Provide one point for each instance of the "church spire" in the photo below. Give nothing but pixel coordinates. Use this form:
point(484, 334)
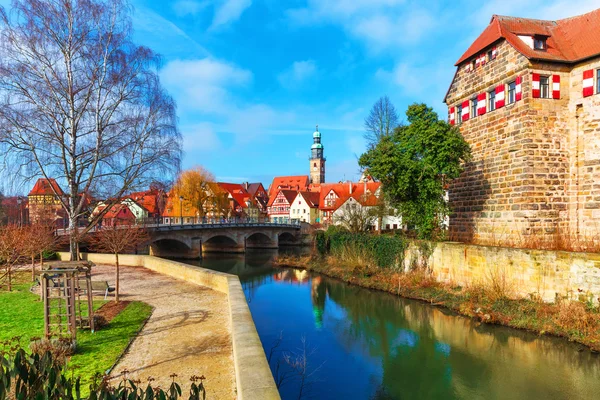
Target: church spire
point(317, 159)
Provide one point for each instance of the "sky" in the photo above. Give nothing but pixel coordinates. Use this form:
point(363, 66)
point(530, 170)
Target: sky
point(252, 78)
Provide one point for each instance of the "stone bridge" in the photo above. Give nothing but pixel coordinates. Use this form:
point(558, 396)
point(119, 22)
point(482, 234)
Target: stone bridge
point(190, 240)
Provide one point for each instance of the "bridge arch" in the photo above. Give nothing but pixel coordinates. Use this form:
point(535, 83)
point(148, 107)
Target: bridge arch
point(172, 247)
point(261, 240)
point(221, 243)
point(288, 239)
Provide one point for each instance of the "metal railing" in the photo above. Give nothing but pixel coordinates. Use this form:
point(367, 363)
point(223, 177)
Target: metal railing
point(205, 224)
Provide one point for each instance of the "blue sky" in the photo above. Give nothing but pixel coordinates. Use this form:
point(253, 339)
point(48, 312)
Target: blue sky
point(252, 77)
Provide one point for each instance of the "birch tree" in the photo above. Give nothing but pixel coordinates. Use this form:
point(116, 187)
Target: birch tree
point(81, 103)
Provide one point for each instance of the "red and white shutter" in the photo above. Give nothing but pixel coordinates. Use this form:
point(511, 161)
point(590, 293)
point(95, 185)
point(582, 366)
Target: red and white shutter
point(535, 86)
point(465, 111)
point(500, 96)
point(482, 57)
point(518, 88)
point(452, 116)
point(588, 83)
point(477, 62)
point(481, 100)
point(556, 86)
point(494, 52)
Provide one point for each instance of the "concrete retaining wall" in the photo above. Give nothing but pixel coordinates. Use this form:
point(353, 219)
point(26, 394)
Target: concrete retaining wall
point(254, 380)
point(522, 271)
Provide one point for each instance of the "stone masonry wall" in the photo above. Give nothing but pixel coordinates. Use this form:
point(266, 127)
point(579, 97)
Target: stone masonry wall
point(521, 184)
point(584, 147)
point(520, 272)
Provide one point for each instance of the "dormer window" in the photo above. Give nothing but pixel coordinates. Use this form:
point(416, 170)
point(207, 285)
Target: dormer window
point(539, 43)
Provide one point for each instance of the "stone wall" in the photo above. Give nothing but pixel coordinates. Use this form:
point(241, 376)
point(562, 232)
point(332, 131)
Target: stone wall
point(523, 272)
point(535, 170)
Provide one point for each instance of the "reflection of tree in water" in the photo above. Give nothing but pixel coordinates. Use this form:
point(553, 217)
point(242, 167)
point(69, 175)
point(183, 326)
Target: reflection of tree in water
point(415, 363)
point(318, 295)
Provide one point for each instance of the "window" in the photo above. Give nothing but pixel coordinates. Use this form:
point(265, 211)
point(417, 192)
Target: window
point(473, 107)
point(539, 43)
point(492, 100)
point(597, 81)
point(459, 114)
point(473, 64)
point(490, 55)
point(512, 86)
point(545, 87)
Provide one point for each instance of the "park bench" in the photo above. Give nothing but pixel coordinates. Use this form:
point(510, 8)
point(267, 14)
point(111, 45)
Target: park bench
point(99, 286)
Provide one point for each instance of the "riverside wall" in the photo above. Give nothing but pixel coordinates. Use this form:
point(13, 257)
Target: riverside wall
point(254, 380)
point(522, 272)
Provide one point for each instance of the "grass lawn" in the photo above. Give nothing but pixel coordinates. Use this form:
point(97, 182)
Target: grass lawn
point(22, 314)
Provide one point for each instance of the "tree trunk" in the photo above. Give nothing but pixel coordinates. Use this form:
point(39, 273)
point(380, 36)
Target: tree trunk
point(117, 278)
point(73, 239)
point(32, 268)
point(41, 260)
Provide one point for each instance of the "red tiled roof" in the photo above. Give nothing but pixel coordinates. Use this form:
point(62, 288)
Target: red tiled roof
point(568, 40)
point(148, 199)
point(237, 192)
point(254, 187)
point(311, 198)
point(289, 195)
point(43, 187)
point(342, 190)
point(297, 183)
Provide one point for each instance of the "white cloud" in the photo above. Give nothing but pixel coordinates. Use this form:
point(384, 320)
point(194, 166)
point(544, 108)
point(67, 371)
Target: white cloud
point(229, 11)
point(381, 23)
point(200, 138)
point(162, 35)
point(189, 7)
point(204, 85)
point(298, 74)
point(208, 89)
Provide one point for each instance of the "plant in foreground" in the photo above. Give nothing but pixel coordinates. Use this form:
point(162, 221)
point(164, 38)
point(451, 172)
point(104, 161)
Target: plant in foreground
point(35, 376)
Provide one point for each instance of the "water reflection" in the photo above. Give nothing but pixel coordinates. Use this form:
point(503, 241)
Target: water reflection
point(375, 345)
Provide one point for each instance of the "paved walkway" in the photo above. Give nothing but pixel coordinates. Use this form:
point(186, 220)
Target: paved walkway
point(188, 333)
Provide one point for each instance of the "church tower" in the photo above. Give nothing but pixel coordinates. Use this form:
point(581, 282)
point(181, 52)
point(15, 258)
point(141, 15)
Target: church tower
point(317, 161)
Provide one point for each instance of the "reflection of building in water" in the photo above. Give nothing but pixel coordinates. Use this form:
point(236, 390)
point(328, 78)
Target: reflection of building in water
point(291, 275)
point(318, 294)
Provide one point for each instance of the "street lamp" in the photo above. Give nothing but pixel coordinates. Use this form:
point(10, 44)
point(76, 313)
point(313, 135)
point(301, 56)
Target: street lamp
point(181, 209)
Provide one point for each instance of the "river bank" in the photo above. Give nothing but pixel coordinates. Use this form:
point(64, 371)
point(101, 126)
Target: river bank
point(574, 320)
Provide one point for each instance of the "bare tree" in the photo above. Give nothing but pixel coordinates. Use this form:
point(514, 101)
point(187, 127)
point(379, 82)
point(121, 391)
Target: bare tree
point(117, 239)
point(38, 238)
point(12, 250)
point(381, 122)
point(355, 217)
point(81, 103)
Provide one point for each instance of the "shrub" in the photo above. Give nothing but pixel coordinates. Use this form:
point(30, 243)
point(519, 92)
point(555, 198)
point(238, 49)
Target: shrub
point(36, 376)
point(384, 251)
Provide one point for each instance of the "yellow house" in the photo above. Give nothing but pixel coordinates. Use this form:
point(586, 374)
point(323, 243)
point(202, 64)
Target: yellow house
point(305, 207)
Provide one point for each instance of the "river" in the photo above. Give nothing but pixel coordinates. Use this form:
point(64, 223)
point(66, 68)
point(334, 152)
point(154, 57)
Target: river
point(363, 344)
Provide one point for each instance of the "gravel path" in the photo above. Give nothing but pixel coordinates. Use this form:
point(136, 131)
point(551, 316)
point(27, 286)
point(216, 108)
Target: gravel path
point(188, 333)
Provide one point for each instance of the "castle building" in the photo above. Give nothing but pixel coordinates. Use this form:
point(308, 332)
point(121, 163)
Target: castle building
point(317, 160)
point(526, 97)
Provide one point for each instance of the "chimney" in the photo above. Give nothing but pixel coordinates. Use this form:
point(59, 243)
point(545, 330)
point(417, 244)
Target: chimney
point(365, 182)
point(349, 187)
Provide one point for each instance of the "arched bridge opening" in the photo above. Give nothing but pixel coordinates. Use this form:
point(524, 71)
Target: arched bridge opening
point(173, 248)
point(260, 240)
point(288, 239)
point(222, 244)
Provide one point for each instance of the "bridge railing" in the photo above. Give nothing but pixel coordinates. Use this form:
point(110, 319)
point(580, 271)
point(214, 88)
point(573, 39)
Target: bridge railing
point(202, 224)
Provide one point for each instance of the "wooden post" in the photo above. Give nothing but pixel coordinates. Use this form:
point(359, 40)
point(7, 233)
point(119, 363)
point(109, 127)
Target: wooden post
point(70, 283)
point(46, 306)
point(88, 281)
